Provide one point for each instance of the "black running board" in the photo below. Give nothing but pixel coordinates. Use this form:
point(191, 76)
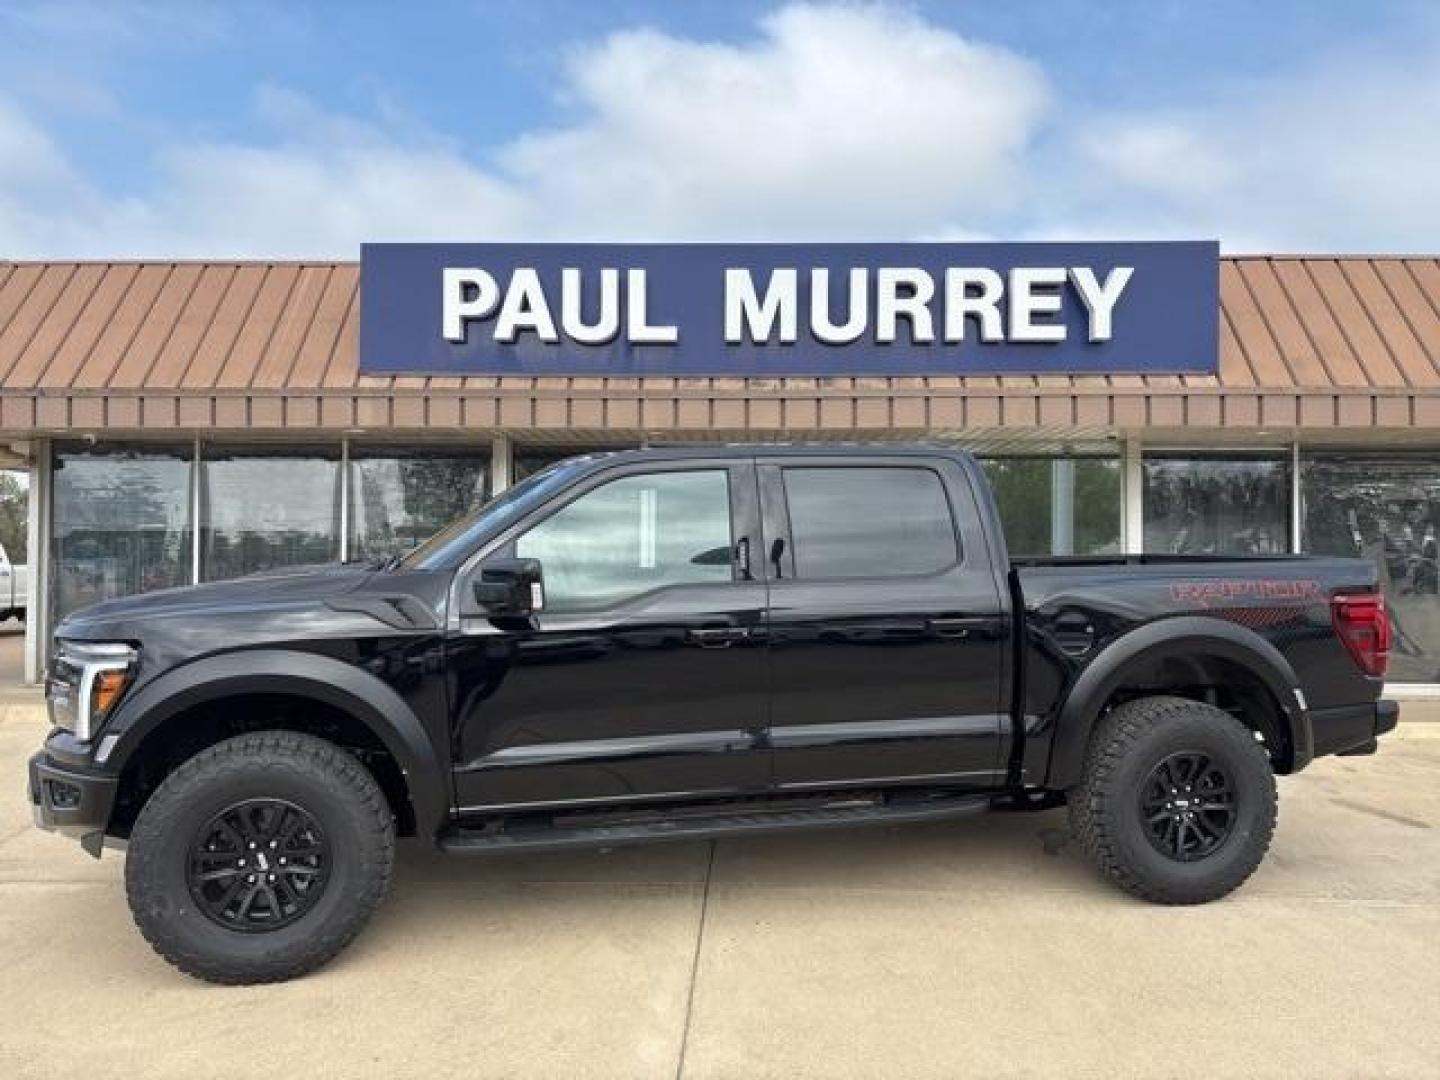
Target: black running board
point(461, 841)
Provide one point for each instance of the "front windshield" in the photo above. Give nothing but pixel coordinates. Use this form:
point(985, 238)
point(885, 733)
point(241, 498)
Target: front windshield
point(451, 545)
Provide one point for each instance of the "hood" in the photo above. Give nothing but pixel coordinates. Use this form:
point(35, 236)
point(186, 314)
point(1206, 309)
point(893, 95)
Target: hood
point(291, 587)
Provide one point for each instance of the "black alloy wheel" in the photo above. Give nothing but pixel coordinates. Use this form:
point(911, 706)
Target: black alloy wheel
point(1188, 806)
point(258, 865)
point(1176, 803)
point(259, 858)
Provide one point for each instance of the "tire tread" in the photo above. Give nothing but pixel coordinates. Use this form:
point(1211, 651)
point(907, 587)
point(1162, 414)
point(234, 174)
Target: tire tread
point(1093, 819)
point(264, 749)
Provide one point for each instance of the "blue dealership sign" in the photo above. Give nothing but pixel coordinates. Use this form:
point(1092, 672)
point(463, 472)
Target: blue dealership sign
point(789, 309)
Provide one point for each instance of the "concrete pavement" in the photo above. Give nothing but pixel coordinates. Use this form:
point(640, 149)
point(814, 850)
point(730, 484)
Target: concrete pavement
point(12, 661)
point(968, 948)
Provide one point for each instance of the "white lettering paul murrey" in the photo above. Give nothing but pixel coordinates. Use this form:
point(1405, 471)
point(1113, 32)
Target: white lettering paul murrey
point(1024, 305)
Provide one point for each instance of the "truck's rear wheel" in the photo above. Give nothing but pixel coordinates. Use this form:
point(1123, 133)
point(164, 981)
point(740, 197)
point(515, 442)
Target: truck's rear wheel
point(1177, 804)
point(260, 858)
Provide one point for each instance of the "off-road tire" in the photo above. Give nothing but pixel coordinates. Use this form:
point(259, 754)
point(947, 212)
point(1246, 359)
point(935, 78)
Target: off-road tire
point(1105, 815)
point(329, 784)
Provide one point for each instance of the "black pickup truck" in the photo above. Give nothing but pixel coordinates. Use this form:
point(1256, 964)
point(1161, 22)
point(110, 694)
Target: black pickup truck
point(682, 644)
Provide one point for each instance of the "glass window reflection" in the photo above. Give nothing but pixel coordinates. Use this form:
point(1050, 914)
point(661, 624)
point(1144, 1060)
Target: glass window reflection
point(400, 497)
point(633, 535)
point(1386, 509)
point(1215, 505)
point(121, 523)
point(1056, 505)
point(869, 522)
point(268, 507)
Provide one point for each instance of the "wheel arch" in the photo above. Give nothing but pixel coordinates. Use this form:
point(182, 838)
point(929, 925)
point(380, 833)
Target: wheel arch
point(1222, 655)
point(160, 712)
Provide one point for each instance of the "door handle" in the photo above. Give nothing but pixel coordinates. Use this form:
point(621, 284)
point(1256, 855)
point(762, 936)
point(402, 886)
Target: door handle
point(952, 626)
point(717, 637)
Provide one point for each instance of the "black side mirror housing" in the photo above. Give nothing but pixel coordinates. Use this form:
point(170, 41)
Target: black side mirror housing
point(510, 588)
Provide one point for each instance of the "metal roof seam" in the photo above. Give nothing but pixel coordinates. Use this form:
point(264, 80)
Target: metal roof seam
point(1309, 272)
point(321, 286)
point(248, 375)
point(1347, 270)
point(1408, 266)
point(25, 299)
point(164, 342)
point(339, 331)
point(100, 333)
point(1266, 322)
point(184, 372)
point(275, 324)
point(1228, 323)
point(1405, 317)
point(9, 368)
point(1349, 335)
point(139, 325)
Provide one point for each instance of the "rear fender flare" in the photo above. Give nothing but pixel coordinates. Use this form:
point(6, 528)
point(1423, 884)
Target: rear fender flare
point(276, 671)
point(1181, 636)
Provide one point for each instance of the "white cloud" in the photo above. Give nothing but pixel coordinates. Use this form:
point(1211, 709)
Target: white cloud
point(842, 122)
point(838, 122)
point(1339, 156)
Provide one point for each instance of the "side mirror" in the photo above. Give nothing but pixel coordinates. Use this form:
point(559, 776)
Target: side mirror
point(510, 588)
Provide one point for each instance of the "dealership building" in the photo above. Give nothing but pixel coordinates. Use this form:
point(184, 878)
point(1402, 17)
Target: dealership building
point(193, 421)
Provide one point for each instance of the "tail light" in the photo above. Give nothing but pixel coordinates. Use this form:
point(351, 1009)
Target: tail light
point(1363, 624)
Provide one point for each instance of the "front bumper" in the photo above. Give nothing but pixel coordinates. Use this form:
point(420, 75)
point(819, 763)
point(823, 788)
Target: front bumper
point(1353, 729)
point(72, 802)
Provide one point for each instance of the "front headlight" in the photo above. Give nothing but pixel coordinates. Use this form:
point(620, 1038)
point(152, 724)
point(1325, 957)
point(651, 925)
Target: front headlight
point(85, 681)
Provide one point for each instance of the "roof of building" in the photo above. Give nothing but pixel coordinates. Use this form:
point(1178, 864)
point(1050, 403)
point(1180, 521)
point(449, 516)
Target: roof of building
point(1305, 341)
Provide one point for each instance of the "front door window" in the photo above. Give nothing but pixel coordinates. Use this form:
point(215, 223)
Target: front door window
point(632, 536)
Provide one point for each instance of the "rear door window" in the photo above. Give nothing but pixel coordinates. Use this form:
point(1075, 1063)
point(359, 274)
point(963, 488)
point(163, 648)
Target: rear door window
point(869, 522)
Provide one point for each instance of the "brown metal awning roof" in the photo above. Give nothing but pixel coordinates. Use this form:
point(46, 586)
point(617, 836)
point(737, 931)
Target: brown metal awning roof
point(1309, 342)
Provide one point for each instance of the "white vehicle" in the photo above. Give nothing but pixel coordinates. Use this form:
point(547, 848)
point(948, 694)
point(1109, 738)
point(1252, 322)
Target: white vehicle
point(14, 587)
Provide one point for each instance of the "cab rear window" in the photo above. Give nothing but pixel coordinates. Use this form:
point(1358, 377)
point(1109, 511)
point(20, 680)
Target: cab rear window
point(869, 522)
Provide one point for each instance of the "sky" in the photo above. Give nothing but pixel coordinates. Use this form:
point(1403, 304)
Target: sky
point(269, 129)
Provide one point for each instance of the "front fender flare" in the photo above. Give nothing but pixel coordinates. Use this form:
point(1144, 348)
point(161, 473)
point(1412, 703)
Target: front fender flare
point(1186, 635)
point(280, 671)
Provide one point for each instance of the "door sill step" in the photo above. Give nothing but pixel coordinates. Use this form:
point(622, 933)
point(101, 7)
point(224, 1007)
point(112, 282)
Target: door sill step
point(462, 841)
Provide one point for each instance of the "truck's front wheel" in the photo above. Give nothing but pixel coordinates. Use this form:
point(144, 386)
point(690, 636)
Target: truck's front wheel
point(1177, 804)
point(259, 858)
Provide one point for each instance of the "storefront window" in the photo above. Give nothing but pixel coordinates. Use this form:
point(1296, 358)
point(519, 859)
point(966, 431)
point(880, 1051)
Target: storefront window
point(1057, 506)
point(1384, 508)
point(121, 523)
point(1213, 505)
point(266, 507)
point(400, 497)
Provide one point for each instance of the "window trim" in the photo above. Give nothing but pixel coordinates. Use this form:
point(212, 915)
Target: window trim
point(784, 524)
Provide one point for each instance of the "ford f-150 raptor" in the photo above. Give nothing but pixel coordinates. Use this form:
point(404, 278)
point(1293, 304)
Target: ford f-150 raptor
point(680, 644)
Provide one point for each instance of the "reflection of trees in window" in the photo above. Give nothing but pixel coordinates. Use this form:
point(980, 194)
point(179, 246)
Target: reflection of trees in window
point(1212, 506)
point(400, 498)
point(1385, 509)
point(1024, 490)
point(269, 508)
point(14, 502)
point(120, 523)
